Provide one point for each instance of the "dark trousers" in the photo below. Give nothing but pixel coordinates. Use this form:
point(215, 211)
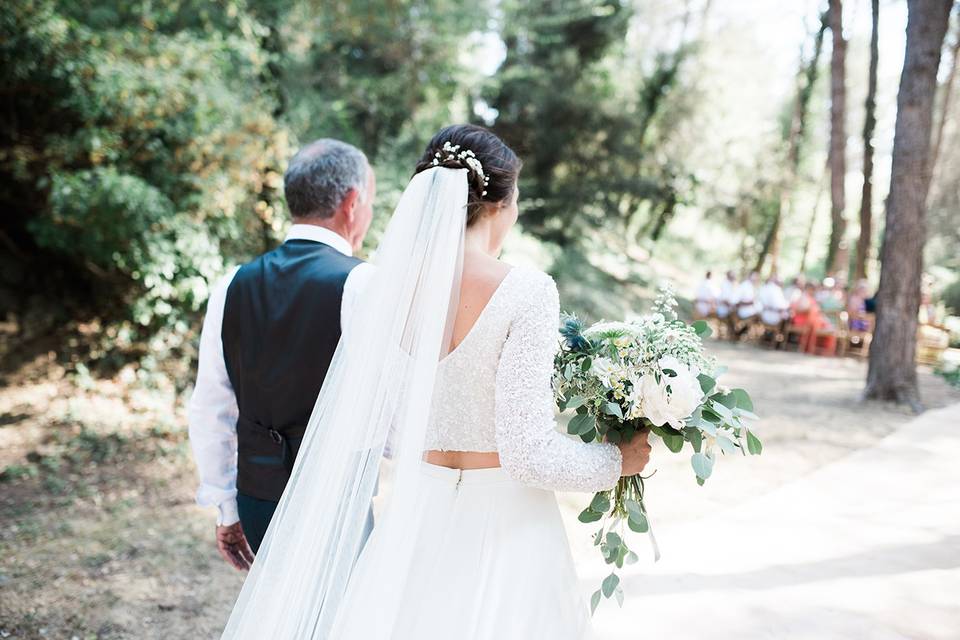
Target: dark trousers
point(255, 516)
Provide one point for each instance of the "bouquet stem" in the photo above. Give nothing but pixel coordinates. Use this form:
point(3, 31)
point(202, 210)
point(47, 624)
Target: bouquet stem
point(628, 500)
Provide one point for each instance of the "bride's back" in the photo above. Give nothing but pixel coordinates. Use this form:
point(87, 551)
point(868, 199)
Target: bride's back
point(461, 429)
point(482, 276)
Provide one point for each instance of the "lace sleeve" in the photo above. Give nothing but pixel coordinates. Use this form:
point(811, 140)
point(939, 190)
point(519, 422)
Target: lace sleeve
point(531, 449)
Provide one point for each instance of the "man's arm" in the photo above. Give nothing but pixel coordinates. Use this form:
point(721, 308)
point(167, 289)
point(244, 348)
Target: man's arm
point(212, 415)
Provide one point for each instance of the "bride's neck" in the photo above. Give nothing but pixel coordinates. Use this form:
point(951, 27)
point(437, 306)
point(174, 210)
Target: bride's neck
point(479, 239)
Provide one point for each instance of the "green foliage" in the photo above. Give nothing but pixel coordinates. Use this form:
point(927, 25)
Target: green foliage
point(586, 136)
point(951, 297)
point(140, 156)
point(382, 75)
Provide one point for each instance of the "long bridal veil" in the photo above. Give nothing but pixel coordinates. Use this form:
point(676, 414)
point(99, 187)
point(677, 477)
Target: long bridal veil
point(378, 389)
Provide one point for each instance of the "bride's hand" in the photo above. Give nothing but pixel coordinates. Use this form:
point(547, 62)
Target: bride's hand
point(636, 454)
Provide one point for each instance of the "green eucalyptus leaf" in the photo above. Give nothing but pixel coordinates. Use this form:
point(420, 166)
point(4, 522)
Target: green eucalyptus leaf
point(709, 415)
point(727, 400)
point(619, 594)
point(587, 516)
point(696, 438)
point(702, 465)
point(726, 444)
point(634, 510)
point(586, 364)
point(742, 399)
point(614, 539)
point(754, 446)
point(581, 423)
point(575, 402)
point(613, 409)
point(639, 524)
point(706, 383)
point(674, 441)
point(600, 502)
point(594, 601)
point(610, 583)
point(725, 412)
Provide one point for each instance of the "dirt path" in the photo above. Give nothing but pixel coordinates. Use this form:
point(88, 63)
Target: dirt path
point(99, 536)
point(867, 547)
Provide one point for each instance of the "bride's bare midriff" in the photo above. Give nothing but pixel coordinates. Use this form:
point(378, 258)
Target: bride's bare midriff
point(463, 459)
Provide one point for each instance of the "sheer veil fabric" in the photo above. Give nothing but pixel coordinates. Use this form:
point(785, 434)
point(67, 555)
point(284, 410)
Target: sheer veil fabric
point(379, 387)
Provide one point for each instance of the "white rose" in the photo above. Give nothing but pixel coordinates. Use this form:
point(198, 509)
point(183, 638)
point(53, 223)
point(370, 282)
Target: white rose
point(661, 406)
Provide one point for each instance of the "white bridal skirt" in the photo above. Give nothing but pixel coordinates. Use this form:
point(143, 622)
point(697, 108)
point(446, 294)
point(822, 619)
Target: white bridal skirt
point(491, 562)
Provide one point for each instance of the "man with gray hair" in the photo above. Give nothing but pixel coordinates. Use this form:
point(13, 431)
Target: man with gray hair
point(270, 332)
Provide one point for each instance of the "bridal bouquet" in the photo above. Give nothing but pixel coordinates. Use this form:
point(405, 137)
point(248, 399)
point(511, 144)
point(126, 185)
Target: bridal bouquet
point(648, 373)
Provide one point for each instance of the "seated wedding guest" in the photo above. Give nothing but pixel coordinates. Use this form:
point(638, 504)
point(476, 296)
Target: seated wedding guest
point(831, 296)
point(794, 290)
point(728, 295)
point(708, 294)
point(773, 303)
point(823, 289)
point(806, 313)
point(928, 313)
point(857, 307)
point(747, 305)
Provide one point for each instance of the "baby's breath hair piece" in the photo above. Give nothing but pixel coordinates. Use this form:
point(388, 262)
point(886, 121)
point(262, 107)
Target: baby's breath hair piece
point(452, 153)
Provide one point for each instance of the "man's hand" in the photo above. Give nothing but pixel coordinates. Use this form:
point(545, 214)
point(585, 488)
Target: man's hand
point(636, 454)
point(233, 546)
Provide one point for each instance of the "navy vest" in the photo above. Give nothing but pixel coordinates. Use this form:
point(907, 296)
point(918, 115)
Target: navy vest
point(281, 326)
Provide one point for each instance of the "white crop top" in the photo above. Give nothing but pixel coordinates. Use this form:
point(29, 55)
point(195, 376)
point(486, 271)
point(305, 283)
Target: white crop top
point(493, 393)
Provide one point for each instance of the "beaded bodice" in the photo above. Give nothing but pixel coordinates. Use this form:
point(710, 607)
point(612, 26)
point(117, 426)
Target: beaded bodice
point(493, 393)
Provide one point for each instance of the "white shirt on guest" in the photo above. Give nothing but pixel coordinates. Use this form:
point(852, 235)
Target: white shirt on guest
point(746, 299)
point(728, 297)
point(773, 302)
point(212, 412)
point(707, 294)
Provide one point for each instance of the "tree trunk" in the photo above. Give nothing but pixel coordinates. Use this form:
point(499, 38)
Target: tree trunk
point(796, 135)
point(836, 250)
point(667, 212)
point(813, 219)
point(771, 243)
point(892, 374)
point(869, 124)
point(945, 105)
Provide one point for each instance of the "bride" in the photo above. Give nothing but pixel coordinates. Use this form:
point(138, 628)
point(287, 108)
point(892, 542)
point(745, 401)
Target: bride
point(447, 372)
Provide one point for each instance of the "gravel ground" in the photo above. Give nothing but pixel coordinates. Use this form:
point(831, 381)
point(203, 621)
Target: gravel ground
point(99, 536)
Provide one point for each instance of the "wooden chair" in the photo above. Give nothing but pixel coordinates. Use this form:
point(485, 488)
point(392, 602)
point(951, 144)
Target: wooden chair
point(931, 343)
point(836, 330)
point(791, 331)
point(772, 335)
point(858, 340)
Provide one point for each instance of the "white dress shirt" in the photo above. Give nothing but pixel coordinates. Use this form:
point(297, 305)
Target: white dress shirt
point(212, 413)
point(728, 297)
point(747, 304)
point(774, 303)
point(707, 294)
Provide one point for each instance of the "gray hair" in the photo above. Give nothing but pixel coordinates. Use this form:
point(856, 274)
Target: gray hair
point(320, 176)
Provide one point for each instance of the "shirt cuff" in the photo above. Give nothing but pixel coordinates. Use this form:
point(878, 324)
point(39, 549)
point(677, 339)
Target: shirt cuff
point(227, 513)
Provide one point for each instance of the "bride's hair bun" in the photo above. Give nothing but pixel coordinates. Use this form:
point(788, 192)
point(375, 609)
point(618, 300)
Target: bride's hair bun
point(492, 166)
